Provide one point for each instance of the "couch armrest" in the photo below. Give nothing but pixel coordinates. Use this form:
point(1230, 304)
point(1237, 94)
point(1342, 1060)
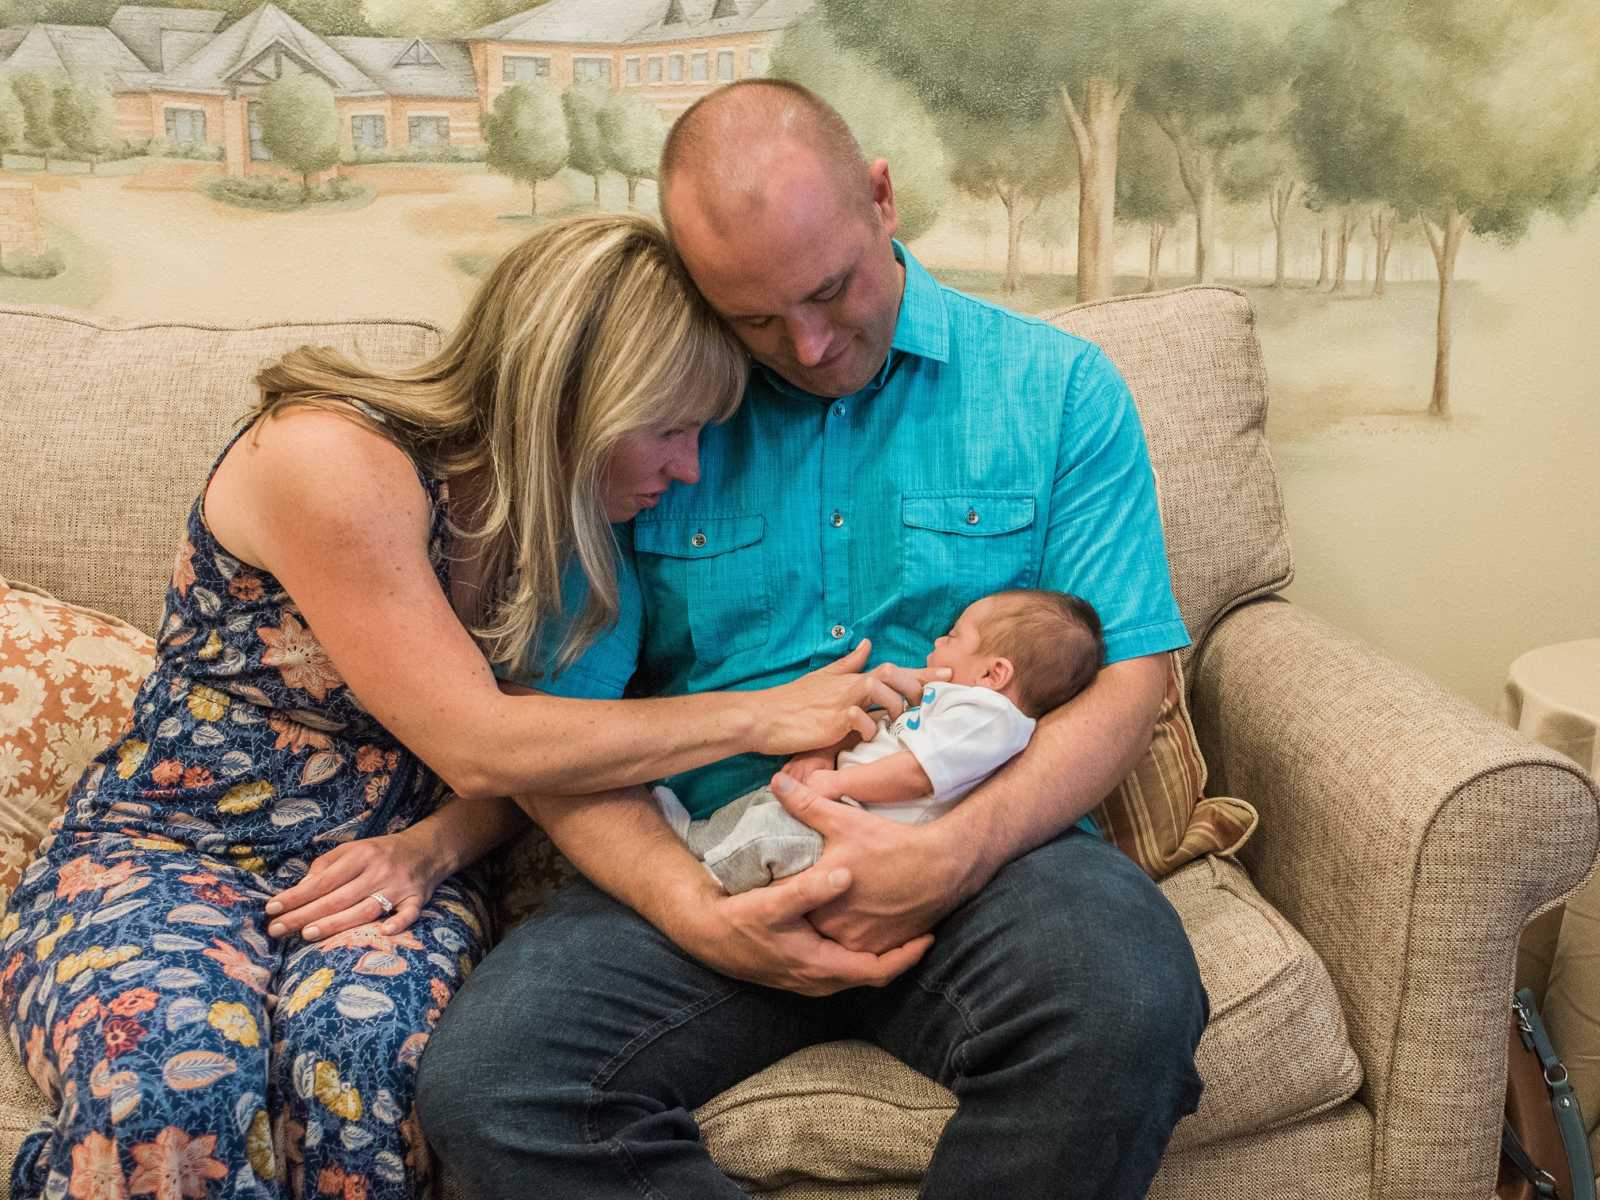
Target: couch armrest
point(1409, 837)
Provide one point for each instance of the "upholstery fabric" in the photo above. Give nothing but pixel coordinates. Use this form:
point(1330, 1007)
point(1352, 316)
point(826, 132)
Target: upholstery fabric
point(107, 431)
point(1192, 361)
point(1159, 816)
point(68, 676)
point(1409, 836)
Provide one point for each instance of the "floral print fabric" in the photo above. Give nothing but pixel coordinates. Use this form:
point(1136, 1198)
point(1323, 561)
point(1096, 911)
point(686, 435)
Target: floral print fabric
point(187, 1054)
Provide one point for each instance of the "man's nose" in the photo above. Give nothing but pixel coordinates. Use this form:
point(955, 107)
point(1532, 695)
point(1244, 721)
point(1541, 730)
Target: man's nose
point(810, 335)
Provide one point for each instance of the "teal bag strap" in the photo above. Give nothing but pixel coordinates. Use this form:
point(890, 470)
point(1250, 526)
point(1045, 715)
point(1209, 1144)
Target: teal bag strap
point(1569, 1119)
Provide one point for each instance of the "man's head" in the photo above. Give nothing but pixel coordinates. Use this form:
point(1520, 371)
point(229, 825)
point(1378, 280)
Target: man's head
point(1037, 647)
point(786, 230)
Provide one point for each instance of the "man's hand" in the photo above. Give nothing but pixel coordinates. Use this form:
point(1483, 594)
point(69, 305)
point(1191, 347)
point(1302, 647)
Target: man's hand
point(903, 883)
point(762, 936)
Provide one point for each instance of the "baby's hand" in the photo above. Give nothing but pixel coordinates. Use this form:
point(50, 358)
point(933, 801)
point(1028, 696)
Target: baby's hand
point(826, 782)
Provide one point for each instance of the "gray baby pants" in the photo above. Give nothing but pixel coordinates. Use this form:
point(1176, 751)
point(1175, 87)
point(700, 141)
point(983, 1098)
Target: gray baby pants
point(747, 843)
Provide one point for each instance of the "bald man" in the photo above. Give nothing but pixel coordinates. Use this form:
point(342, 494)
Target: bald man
point(902, 450)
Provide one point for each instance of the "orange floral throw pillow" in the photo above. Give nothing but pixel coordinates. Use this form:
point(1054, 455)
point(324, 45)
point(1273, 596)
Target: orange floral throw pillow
point(68, 677)
point(1160, 815)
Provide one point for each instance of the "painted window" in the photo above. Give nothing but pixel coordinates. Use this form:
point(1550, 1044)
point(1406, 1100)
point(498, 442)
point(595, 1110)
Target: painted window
point(369, 132)
point(653, 69)
point(186, 126)
point(591, 68)
point(258, 148)
point(758, 62)
point(417, 55)
point(699, 67)
point(515, 68)
point(632, 69)
point(429, 131)
point(675, 68)
point(724, 65)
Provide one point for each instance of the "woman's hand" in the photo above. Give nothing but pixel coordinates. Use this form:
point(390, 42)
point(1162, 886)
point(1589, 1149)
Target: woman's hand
point(337, 892)
point(824, 706)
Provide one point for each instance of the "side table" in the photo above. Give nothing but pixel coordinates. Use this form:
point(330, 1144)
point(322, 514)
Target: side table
point(1552, 695)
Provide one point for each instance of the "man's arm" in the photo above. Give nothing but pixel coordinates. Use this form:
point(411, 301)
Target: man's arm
point(1078, 754)
point(622, 844)
point(896, 778)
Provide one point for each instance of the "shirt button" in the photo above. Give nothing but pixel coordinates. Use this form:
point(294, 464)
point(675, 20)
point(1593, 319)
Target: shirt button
point(837, 631)
point(838, 410)
point(837, 519)
point(698, 540)
point(972, 516)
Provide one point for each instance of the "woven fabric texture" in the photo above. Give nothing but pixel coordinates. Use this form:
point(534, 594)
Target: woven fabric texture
point(1191, 359)
point(68, 677)
point(107, 429)
point(1409, 837)
point(1159, 816)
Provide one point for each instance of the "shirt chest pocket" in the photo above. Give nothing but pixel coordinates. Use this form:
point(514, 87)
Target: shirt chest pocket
point(705, 581)
point(957, 547)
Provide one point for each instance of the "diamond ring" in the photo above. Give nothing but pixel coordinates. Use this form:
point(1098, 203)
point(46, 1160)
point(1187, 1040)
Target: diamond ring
point(383, 902)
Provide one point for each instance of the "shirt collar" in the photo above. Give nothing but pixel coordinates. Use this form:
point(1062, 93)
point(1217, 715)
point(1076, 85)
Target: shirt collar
point(922, 328)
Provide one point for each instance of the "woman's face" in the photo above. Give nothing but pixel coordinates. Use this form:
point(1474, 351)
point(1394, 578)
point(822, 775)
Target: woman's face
point(644, 465)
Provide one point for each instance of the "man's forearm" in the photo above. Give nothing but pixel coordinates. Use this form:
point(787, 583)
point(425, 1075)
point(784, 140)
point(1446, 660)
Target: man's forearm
point(1078, 754)
point(623, 845)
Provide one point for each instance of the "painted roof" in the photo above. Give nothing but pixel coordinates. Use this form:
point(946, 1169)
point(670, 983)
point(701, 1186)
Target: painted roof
point(85, 53)
point(376, 56)
point(10, 38)
point(232, 50)
point(177, 45)
point(635, 21)
point(142, 30)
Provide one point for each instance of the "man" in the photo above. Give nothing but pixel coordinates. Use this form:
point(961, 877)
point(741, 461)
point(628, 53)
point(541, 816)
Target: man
point(901, 451)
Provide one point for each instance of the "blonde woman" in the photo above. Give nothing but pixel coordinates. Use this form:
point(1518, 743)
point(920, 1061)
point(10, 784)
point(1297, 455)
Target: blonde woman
point(225, 963)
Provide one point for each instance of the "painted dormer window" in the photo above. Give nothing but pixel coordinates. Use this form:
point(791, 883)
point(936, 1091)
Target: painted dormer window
point(418, 55)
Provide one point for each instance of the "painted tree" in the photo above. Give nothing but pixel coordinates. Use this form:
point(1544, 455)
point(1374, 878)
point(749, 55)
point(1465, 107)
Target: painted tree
point(83, 120)
point(527, 135)
point(632, 133)
point(1021, 166)
point(581, 105)
point(1148, 186)
point(38, 99)
point(1265, 169)
point(1473, 116)
point(300, 126)
point(887, 118)
point(1382, 219)
point(11, 122)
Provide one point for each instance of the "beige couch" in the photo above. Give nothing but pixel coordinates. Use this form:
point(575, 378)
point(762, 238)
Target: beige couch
point(1358, 960)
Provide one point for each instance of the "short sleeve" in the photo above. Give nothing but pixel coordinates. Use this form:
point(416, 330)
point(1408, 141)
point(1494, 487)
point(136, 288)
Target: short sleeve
point(1104, 540)
point(964, 735)
point(608, 663)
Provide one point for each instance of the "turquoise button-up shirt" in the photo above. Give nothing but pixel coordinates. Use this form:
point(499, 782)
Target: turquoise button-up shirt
point(991, 451)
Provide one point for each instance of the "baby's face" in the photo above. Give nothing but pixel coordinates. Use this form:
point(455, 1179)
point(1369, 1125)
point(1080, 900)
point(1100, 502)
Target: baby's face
point(958, 649)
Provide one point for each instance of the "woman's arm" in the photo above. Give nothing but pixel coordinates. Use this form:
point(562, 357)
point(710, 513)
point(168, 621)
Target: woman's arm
point(335, 512)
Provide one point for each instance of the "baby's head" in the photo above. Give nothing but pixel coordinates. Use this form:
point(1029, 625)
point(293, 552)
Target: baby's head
point(1037, 648)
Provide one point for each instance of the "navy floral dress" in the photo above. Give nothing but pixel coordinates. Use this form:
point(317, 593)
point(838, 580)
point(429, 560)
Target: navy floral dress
point(186, 1053)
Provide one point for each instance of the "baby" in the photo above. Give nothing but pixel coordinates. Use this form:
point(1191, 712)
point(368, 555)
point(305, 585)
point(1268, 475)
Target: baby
point(1013, 657)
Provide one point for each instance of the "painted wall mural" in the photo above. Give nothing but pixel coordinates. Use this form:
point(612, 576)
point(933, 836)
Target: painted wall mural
point(1404, 191)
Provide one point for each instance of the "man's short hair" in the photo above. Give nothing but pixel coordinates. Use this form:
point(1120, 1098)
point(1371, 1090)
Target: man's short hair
point(786, 109)
point(1053, 640)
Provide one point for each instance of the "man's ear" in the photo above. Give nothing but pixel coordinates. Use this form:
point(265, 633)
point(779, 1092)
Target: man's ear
point(1000, 673)
point(883, 195)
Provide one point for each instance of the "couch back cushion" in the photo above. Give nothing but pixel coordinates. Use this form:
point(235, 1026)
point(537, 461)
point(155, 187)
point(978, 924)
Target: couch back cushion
point(1193, 363)
point(107, 430)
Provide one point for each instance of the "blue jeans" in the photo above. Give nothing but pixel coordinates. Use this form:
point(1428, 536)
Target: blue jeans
point(1061, 1005)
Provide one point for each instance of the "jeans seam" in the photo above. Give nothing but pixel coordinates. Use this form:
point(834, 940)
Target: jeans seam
point(948, 992)
point(620, 1059)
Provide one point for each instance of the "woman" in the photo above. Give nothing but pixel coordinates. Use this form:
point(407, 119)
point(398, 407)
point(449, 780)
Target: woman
point(225, 963)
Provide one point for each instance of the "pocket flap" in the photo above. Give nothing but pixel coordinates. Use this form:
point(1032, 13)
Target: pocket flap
point(697, 537)
point(973, 514)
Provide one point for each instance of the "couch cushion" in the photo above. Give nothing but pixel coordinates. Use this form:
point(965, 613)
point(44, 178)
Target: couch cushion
point(1193, 363)
point(107, 430)
point(1276, 1052)
point(68, 677)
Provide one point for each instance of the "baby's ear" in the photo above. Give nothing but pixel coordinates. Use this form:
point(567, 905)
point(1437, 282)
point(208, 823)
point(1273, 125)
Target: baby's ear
point(1000, 673)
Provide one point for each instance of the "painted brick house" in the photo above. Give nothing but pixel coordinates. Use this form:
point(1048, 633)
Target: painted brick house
point(171, 74)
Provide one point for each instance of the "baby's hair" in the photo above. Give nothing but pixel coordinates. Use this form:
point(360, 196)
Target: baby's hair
point(1053, 640)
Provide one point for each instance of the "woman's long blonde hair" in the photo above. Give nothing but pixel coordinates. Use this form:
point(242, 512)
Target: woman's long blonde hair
point(587, 331)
